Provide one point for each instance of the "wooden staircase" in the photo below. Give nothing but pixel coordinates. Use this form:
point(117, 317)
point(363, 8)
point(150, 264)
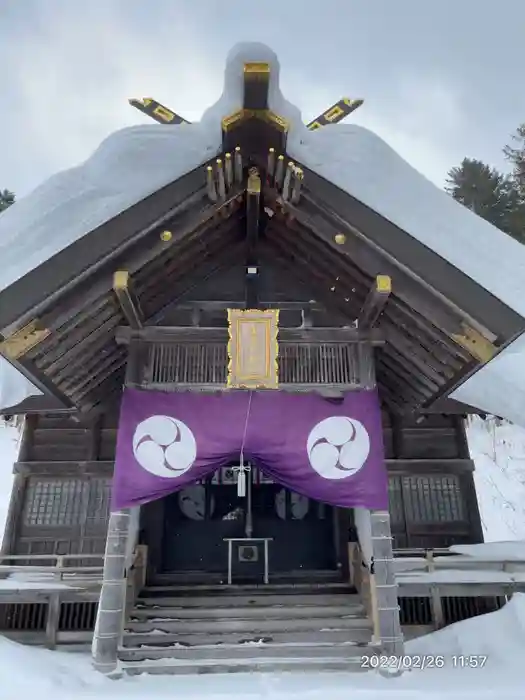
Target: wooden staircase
point(176, 629)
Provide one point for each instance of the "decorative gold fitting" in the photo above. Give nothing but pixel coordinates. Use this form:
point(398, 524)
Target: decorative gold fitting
point(23, 340)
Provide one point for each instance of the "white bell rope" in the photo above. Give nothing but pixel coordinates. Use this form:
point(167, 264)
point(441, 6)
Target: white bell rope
point(243, 469)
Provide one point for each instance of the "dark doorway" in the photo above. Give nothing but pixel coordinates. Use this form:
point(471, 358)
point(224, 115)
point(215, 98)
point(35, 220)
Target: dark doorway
point(199, 518)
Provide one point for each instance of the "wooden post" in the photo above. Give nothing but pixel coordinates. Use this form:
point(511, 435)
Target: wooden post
point(110, 614)
point(53, 618)
point(16, 505)
point(16, 502)
point(374, 610)
point(391, 638)
point(436, 604)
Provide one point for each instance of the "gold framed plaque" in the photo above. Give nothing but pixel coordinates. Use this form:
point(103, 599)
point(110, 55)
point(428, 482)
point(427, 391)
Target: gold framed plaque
point(253, 349)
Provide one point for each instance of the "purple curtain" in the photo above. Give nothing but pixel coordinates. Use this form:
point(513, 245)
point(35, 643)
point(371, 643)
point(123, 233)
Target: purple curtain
point(327, 449)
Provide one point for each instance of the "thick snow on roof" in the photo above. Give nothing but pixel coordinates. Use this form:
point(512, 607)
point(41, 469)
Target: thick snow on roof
point(134, 162)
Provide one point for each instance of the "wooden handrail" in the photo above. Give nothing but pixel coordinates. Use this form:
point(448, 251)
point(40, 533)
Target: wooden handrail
point(50, 557)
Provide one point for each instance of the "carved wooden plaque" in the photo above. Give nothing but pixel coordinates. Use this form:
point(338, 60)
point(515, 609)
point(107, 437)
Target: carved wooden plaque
point(253, 349)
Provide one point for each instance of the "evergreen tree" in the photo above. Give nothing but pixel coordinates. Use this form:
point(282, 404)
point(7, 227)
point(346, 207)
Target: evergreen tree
point(488, 193)
point(515, 154)
point(6, 199)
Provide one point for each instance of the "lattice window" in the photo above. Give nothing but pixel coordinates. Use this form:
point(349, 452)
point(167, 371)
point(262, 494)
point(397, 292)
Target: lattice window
point(431, 499)
point(55, 502)
point(98, 501)
point(395, 497)
point(67, 502)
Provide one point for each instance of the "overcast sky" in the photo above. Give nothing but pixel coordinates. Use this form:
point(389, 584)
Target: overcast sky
point(441, 80)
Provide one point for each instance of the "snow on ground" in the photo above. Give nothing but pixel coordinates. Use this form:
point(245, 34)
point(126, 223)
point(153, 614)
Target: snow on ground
point(494, 641)
point(9, 439)
point(498, 450)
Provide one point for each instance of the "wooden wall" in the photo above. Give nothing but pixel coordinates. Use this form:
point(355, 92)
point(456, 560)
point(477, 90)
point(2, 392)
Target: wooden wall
point(61, 494)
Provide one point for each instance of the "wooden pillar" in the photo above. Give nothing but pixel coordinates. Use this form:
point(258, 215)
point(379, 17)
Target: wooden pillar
point(385, 587)
point(112, 602)
point(16, 502)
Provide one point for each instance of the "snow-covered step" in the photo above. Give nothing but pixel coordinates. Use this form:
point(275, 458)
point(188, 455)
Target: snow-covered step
point(247, 589)
point(254, 612)
point(343, 650)
point(268, 665)
point(215, 629)
point(158, 638)
point(250, 600)
point(246, 625)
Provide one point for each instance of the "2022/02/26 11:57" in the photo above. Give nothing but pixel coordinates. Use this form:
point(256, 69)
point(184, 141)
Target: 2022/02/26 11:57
point(422, 661)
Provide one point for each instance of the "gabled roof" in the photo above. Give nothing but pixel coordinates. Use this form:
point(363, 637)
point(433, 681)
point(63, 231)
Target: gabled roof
point(446, 295)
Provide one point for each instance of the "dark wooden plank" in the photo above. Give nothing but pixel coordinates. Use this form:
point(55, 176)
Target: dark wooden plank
point(105, 468)
point(152, 534)
point(343, 293)
point(46, 403)
point(191, 219)
point(167, 334)
point(68, 266)
point(223, 305)
point(429, 466)
point(39, 379)
point(14, 514)
point(447, 405)
point(64, 468)
point(423, 262)
point(415, 292)
point(468, 489)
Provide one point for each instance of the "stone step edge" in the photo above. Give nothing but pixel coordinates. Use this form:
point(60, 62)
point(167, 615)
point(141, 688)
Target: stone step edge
point(245, 645)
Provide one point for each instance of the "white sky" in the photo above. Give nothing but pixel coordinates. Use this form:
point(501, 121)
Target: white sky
point(441, 80)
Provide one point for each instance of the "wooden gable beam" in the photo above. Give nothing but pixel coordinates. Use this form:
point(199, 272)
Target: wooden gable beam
point(352, 216)
point(479, 342)
point(188, 334)
point(375, 302)
point(253, 195)
point(127, 299)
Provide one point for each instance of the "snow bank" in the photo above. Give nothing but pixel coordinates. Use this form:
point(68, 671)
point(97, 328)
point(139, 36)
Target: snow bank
point(498, 451)
point(500, 636)
point(496, 551)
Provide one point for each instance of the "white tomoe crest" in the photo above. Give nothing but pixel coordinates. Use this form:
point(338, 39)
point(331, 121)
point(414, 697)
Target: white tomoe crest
point(338, 447)
point(164, 446)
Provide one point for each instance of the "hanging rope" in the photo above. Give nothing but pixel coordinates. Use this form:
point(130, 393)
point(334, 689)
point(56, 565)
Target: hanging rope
point(241, 469)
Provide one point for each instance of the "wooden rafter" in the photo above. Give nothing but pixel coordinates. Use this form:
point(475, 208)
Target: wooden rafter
point(127, 299)
point(432, 305)
point(375, 302)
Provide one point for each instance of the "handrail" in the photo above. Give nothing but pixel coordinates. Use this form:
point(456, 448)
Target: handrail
point(59, 570)
point(50, 557)
point(414, 551)
point(439, 559)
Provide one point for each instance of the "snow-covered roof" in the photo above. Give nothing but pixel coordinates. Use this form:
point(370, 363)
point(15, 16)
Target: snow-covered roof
point(134, 162)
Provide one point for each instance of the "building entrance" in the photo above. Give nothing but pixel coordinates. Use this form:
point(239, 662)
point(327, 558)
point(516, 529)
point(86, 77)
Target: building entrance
point(199, 518)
